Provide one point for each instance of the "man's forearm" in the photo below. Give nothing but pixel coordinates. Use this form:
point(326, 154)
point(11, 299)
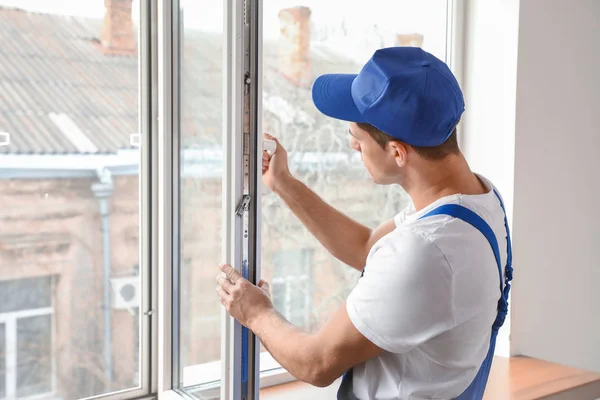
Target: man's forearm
point(344, 238)
point(294, 349)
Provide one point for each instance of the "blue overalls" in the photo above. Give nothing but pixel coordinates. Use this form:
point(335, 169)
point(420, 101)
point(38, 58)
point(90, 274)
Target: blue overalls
point(476, 389)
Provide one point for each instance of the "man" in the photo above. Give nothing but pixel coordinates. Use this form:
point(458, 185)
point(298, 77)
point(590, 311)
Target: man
point(422, 320)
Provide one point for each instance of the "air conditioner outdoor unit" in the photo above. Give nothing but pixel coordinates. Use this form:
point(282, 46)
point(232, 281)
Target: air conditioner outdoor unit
point(125, 292)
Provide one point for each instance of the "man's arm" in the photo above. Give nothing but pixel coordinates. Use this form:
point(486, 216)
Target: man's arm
point(320, 358)
point(346, 239)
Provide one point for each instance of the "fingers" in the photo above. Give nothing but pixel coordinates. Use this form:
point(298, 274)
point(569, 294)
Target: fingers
point(266, 158)
point(232, 275)
point(224, 297)
point(265, 287)
point(225, 284)
point(227, 290)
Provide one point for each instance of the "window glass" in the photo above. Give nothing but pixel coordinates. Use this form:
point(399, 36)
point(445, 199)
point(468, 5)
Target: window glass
point(292, 284)
point(201, 170)
point(27, 336)
point(303, 40)
point(2, 360)
point(70, 291)
point(23, 294)
point(34, 355)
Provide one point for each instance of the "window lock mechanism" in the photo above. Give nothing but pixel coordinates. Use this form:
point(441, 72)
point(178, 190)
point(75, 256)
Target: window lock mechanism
point(244, 205)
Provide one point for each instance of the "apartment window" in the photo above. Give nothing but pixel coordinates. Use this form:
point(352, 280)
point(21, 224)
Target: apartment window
point(26, 353)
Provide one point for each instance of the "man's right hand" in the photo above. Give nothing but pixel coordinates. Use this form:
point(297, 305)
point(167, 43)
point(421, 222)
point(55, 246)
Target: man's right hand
point(275, 168)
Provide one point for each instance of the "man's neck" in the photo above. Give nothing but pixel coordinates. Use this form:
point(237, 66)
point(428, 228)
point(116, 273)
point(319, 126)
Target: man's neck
point(431, 181)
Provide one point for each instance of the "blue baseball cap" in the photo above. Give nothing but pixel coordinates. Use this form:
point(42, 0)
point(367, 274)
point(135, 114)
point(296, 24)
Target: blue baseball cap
point(405, 92)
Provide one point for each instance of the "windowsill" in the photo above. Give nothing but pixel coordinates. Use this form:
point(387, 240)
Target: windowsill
point(523, 378)
point(204, 374)
point(514, 378)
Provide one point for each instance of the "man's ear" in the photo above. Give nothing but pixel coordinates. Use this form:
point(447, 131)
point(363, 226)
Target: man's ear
point(399, 152)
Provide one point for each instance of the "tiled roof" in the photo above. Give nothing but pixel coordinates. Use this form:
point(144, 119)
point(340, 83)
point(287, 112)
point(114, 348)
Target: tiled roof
point(52, 65)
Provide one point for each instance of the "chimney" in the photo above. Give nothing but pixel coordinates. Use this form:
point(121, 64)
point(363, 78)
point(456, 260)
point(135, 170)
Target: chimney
point(118, 36)
point(294, 45)
point(411, 39)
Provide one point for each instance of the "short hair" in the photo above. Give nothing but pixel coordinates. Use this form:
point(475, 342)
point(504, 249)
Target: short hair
point(435, 153)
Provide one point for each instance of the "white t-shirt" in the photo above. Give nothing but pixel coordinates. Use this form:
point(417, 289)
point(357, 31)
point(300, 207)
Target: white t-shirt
point(428, 297)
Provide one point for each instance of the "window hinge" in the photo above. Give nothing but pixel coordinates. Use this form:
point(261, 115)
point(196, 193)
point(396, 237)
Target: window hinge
point(244, 205)
point(149, 313)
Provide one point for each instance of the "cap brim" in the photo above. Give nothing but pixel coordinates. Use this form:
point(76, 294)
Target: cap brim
point(332, 95)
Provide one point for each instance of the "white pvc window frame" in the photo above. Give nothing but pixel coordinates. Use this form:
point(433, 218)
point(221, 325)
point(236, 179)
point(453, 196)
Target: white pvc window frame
point(165, 155)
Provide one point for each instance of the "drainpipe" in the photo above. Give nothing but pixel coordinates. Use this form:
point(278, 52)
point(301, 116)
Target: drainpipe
point(102, 190)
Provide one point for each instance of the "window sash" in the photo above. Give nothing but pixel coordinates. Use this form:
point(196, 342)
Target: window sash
point(168, 198)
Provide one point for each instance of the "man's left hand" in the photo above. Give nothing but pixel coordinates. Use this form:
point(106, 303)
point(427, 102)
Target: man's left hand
point(243, 300)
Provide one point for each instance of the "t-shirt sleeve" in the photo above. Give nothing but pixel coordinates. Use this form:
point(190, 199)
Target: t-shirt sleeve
point(405, 296)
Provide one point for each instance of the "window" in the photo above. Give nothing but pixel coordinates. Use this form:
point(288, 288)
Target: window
point(291, 285)
point(26, 324)
point(72, 322)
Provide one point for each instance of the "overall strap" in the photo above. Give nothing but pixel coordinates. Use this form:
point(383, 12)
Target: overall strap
point(476, 389)
point(463, 213)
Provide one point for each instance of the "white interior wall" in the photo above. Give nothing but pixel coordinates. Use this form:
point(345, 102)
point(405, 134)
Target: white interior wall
point(532, 87)
point(556, 298)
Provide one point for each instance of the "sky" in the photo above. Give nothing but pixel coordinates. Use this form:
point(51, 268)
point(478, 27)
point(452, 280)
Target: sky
point(383, 18)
